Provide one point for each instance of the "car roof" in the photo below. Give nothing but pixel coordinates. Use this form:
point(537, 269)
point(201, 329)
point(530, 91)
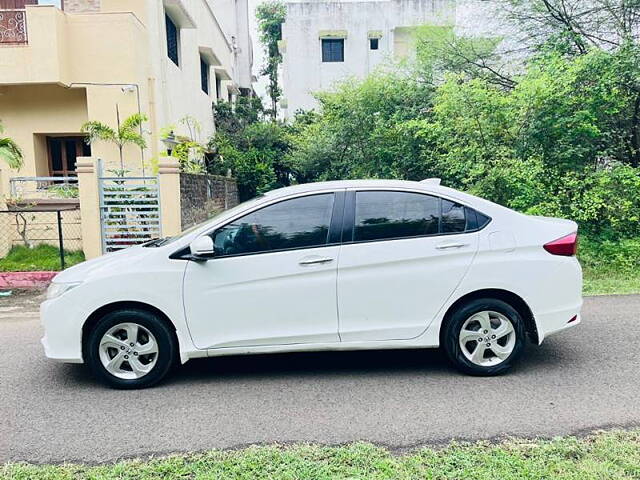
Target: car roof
point(428, 186)
point(431, 185)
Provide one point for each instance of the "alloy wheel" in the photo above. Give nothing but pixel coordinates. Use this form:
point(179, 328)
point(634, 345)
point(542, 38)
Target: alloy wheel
point(487, 338)
point(128, 351)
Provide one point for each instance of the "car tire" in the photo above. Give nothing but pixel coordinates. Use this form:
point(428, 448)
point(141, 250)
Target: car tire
point(467, 329)
point(121, 361)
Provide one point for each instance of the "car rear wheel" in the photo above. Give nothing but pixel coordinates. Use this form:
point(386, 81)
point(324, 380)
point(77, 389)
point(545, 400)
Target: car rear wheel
point(484, 337)
point(130, 349)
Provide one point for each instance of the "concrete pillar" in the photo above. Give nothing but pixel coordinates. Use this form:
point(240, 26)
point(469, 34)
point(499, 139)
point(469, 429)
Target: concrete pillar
point(87, 170)
point(169, 183)
point(5, 219)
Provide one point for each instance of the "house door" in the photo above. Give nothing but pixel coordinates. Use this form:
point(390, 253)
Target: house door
point(63, 152)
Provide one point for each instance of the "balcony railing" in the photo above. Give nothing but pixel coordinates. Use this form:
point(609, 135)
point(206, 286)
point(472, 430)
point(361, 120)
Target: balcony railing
point(27, 188)
point(13, 27)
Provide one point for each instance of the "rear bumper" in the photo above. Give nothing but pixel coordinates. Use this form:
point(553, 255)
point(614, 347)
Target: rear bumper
point(555, 322)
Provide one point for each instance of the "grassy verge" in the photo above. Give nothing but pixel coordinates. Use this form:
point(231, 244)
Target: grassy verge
point(610, 267)
point(609, 282)
point(602, 456)
point(40, 258)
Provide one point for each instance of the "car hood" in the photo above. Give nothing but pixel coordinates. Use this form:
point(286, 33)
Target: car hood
point(105, 265)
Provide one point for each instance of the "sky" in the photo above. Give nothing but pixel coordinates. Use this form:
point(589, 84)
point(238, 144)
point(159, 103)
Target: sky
point(258, 53)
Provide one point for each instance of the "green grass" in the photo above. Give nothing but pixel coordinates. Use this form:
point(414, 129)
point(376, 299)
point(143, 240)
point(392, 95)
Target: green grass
point(610, 267)
point(610, 282)
point(610, 455)
point(40, 258)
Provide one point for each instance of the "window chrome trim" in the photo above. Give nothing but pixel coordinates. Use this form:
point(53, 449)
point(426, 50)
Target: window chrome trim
point(348, 219)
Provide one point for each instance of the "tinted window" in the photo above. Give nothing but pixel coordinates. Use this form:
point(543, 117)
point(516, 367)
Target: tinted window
point(333, 50)
point(482, 219)
point(453, 217)
point(475, 220)
point(297, 223)
point(381, 215)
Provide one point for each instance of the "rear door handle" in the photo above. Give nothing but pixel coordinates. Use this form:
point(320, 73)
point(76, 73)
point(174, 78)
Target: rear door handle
point(315, 260)
point(447, 246)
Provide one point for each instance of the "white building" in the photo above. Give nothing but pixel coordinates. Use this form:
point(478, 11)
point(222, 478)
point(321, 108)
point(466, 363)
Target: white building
point(324, 41)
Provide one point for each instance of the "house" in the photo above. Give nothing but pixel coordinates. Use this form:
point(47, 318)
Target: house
point(70, 61)
point(65, 62)
point(326, 41)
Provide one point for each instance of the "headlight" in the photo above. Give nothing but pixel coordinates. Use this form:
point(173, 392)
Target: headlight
point(57, 289)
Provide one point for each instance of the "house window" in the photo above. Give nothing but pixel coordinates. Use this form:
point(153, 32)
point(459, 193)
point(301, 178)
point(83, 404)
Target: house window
point(204, 75)
point(333, 49)
point(218, 87)
point(173, 42)
point(373, 43)
point(63, 152)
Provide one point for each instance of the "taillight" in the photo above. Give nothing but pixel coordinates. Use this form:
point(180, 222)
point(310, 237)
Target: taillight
point(566, 246)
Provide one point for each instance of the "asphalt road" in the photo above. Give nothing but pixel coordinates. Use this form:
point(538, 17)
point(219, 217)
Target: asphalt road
point(580, 380)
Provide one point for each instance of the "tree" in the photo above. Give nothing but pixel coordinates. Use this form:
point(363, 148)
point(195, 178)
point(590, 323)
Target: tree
point(576, 25)
point(358, 130)
point(231, 119)
point(128, 132)
point(271, 16)
point(10, 152)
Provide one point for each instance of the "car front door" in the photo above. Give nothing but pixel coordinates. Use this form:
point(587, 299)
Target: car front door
point(272, 280)
point(404, 254)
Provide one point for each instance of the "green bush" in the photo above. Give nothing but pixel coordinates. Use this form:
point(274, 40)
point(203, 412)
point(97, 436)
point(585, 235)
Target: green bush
point(622, 256)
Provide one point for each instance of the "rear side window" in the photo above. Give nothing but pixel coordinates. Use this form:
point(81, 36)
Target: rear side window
point(475, 219)
point(454, 218)
point(384, 215)
point(297, 223)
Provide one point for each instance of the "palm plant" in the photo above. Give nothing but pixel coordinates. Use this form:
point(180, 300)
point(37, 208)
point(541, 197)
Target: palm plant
point(10, 152)
point(129, 132)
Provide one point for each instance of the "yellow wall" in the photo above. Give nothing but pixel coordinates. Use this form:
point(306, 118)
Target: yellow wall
point(42, 109)
point(62, 51)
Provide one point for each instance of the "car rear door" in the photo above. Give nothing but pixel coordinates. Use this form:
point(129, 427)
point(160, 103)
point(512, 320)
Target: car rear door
point(403, 255)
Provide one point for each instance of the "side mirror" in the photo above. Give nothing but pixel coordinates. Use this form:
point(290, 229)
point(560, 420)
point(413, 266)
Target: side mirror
point(202, 248)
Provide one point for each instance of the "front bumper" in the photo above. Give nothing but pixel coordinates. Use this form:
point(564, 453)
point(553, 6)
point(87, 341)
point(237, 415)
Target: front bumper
point(62, 339)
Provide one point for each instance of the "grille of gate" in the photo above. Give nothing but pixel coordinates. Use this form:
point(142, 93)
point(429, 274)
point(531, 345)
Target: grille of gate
point(129, 211)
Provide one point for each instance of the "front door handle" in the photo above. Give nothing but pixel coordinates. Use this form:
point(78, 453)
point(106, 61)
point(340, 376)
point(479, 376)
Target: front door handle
point(446, 246)
point(315, 260)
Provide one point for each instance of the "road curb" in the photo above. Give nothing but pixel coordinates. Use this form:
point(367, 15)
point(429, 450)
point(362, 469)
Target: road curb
point(25, 279)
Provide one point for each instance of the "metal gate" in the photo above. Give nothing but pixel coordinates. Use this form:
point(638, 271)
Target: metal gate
point(129, 210)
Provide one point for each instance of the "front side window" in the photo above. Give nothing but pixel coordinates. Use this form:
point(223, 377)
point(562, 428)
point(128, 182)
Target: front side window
point(386, 215)
point(172, 40)
point(333, 49)
point(297, 223)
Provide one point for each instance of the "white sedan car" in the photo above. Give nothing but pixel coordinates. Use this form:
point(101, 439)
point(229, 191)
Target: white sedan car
point(348, 265)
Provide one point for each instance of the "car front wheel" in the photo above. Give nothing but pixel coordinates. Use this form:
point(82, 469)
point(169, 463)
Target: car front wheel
point(130, 349)
point(484, 337)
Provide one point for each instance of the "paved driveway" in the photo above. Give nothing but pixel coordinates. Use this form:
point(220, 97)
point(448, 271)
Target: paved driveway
point(580, 380)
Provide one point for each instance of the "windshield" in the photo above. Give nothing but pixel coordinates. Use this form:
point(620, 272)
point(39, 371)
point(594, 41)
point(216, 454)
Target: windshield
point(230, 212)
